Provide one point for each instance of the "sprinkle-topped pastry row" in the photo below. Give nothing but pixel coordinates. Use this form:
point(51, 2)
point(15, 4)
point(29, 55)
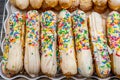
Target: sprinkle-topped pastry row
point(80, 45)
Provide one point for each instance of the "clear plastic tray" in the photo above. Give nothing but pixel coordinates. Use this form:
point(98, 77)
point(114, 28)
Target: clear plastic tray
point(10, 9)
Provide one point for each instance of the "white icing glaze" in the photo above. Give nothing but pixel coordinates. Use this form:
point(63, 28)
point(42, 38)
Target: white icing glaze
point(116, 61)
point(85, 63)
point(32, 61)
point(15, 57)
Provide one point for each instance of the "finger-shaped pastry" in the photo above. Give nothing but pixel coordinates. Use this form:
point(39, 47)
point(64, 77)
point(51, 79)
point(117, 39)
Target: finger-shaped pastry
point(51, 3)
point(114, 4)
point(99, 45)
point(36, 4)
point(100, 2)
point(48, 43)
point(75, 4)
point(65, 4)
point(66, 44)
point(6, 51)
point(86, 5)
point(82, 45)
point(15, 47)
point(113, 33)
point(32, 55)
point(22, 4)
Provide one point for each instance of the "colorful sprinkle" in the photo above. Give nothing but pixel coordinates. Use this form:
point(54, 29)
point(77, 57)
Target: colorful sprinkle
point(32, 28)
point(100, 49)
point(113, 29)
point(16, 22)
point(48, 32)
point(80, 30)
point(65, 36)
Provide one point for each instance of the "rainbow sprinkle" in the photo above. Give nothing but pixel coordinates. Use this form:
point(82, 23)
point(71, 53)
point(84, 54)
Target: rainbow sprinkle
point(32, 32)
point(80, 30)
point(16, 23)
point(113, 29)
point(101, 48)
point(48, 32)
point(65, 32)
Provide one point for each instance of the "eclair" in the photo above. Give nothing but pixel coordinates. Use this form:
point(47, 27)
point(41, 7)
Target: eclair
point(99, 45)
point(48, 43)
point(113, 34)
point(82, 44)
point(66, 44)
point(13, 54)
point(32, 43)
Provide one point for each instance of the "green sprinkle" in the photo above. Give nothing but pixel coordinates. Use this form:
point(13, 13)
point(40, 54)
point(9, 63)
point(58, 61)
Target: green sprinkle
point(108, 65)
point(12, 66)
point(16, 37)
point(119, 46)
point(102, 66)
point(99, 39)
point(50, 54)
point(79, 24)
point(85, 31)
point(78, 36)
point(57, 53)
point(89, 67)
point(102, 53)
